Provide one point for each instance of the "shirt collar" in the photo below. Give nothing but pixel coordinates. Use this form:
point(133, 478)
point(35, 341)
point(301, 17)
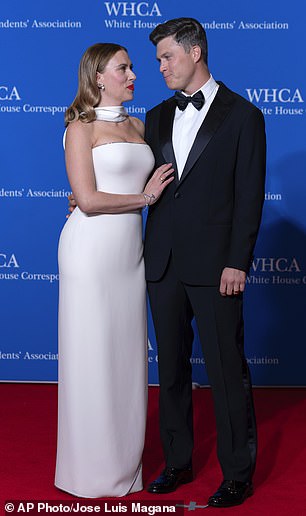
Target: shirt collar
point(207, 88)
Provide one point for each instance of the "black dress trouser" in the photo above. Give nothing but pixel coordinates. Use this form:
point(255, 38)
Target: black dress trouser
point(220, 324)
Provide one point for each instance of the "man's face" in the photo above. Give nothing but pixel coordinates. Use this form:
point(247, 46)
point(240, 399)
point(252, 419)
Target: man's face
point(176, 66)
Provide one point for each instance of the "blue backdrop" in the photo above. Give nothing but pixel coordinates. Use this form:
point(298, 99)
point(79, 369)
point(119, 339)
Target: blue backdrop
point(255, 49)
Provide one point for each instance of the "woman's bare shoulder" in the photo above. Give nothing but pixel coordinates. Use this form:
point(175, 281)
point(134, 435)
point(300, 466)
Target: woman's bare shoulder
point(138, 125)
point(79, 128)
point(79, 132)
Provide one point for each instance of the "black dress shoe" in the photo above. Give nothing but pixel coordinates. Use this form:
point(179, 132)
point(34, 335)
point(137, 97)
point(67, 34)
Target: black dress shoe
point(231, 492)
point(170, 479)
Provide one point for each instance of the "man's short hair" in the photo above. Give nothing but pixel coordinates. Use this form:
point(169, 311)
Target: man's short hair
point(187, 32)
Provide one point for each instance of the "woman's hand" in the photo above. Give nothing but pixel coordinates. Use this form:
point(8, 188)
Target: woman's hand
point(162, 176)
point(71, 204)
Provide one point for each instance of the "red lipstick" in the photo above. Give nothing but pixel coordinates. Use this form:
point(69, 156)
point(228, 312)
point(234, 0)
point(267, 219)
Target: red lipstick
point(131, 87)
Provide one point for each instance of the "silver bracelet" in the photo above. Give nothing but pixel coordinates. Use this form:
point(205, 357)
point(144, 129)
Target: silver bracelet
point(148, 199)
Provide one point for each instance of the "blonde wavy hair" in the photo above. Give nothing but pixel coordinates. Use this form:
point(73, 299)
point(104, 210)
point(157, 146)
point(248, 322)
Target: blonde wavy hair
point(93, 60)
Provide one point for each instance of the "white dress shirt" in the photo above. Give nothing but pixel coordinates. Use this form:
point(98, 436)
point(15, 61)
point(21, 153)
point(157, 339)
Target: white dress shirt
point(188, 122)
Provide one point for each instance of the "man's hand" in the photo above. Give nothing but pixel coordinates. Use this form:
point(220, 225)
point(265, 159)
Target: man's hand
point(232, 281)
point(71, 205)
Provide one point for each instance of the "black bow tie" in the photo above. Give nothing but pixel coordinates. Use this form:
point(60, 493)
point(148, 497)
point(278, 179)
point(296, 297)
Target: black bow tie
point(197, 100)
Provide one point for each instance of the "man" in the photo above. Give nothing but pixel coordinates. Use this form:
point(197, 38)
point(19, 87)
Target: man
point(199, 242)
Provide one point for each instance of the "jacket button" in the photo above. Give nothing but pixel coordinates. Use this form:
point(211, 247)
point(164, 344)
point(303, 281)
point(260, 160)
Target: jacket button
point(177, 195)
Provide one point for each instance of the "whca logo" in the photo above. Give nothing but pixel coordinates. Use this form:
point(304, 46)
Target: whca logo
point(132, 9)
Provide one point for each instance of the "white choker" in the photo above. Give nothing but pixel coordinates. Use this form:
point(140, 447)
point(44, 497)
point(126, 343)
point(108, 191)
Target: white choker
point(111, 113)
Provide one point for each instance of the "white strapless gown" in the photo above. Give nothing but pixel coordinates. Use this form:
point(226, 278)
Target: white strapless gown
point(103, 336)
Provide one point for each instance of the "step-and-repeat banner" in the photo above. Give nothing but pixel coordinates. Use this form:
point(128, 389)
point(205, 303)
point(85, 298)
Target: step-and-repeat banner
point(256, 49)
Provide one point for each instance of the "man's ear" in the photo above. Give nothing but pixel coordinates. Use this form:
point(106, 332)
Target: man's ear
point(196, 53)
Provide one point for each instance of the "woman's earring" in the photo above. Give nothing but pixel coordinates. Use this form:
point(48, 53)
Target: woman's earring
point(101, 86)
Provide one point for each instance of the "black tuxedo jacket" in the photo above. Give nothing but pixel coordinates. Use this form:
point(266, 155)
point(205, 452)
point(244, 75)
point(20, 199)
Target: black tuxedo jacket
point(209, 219)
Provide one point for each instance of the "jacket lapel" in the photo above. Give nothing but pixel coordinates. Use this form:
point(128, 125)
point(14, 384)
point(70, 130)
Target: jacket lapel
point(165, 132)
point(217, 113)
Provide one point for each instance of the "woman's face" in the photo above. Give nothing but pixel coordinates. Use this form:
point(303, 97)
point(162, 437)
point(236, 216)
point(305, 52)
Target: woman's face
point(118, 79)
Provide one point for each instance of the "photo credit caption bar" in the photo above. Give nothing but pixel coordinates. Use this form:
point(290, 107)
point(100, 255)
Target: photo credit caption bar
point(94, 507)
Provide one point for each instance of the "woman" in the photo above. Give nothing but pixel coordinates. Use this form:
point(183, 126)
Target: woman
point(102, 308)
